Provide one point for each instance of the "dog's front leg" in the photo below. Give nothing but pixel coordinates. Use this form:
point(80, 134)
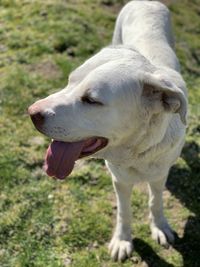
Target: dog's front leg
point(160, 229)
point(121, 245)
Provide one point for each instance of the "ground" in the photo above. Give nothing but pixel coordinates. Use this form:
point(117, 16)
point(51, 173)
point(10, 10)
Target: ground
point(45, 222)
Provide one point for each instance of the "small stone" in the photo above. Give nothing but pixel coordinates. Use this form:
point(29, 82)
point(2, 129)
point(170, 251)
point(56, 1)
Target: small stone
point(144, 264)
point(135, 259)
point(3, 48)
point(50, 196)
point(67, 261)
point(95, 244)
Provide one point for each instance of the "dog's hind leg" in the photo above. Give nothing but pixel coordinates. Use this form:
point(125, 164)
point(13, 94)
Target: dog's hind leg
point(160, 229)
point(121, 245)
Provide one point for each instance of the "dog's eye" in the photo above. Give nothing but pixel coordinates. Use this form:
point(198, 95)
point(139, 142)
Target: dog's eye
point(89, 100)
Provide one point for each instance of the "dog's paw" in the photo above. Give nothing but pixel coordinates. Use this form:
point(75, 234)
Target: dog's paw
point(163, 235)
point(120, 249)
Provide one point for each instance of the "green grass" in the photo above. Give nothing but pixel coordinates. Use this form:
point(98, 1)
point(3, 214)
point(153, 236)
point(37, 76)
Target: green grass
point(44, 222)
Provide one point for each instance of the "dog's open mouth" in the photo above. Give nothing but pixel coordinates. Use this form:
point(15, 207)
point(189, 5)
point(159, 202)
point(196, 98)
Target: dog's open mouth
point(61, 156)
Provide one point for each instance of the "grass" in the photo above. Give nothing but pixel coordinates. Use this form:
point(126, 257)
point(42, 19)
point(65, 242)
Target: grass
point(44, 222)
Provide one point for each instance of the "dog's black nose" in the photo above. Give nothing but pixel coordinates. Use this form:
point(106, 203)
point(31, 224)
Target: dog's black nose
point(36, 116)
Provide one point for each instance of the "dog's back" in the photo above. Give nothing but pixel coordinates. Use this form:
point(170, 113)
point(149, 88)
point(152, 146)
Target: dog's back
point(146, 26)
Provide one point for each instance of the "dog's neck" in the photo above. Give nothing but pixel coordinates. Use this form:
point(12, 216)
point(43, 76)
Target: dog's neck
point(157, 56)
point(137, 144)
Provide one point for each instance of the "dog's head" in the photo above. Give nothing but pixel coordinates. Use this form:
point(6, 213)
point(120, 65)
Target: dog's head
point(108, 99)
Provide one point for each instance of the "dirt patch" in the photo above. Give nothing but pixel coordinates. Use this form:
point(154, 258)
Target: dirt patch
point(46, 69)
point(168, 2)
point(115, 6)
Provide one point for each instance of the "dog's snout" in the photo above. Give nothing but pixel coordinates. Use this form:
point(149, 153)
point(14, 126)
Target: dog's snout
point(37, 117)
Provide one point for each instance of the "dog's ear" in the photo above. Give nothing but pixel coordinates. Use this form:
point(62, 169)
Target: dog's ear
point(160, 93)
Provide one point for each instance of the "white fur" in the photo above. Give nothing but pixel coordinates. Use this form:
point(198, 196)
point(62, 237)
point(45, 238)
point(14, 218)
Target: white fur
point(143, 114)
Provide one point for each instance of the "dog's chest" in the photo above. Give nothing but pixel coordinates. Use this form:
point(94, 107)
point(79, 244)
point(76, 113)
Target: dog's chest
point(147, 167)
point(143, 172)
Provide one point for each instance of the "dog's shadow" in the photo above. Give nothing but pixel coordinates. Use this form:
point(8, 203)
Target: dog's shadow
point(184, 184)
point(148, 255)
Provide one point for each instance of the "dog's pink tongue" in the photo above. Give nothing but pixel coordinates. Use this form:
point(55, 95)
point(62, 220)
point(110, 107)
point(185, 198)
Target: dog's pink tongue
point(60, 158)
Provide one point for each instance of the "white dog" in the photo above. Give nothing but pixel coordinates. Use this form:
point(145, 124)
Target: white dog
point(127, 105)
